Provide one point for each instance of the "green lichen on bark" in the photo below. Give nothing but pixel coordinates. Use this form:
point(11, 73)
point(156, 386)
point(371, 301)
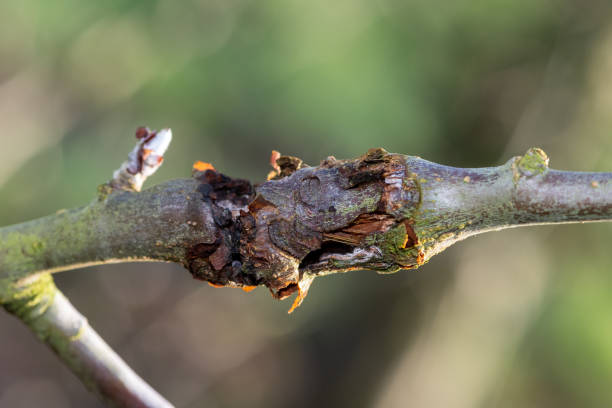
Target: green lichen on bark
point(396, 249)
point(28, 298)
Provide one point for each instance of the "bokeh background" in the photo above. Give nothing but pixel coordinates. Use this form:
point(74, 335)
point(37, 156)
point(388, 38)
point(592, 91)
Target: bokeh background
point(520, 318)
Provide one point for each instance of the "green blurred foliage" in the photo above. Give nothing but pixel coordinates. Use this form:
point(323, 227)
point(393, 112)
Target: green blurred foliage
point(466, 83)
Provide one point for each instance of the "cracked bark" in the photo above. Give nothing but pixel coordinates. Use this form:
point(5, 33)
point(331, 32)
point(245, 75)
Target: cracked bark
point(381, 211)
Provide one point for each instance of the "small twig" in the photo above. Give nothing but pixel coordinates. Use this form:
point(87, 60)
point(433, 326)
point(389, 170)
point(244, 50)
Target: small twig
point(144, 160)
point(38, 303)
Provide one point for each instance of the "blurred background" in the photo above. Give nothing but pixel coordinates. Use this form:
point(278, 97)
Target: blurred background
point(520, 318)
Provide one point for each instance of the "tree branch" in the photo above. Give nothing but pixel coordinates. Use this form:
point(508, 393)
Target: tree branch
point(119, 226)
point(56, 322)
point(458, 203)
point(381, 211)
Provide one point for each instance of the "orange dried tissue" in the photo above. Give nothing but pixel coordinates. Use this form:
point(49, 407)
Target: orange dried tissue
point(297, 302)
point(274, 156)
point(303, 286)
point(406, 239)
point(244, 288)
point(202, 166)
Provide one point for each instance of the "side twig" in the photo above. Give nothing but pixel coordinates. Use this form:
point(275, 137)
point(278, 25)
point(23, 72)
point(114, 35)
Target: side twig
point(45, 310)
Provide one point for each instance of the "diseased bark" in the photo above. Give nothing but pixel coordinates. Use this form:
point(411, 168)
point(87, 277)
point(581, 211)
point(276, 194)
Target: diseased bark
point(381, 211)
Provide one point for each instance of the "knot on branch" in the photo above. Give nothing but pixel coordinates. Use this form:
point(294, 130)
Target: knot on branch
point(534, 162)
point(308, 221)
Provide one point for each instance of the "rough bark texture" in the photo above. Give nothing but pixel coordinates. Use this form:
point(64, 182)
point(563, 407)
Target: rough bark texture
point(307, 221)
point(381, 211)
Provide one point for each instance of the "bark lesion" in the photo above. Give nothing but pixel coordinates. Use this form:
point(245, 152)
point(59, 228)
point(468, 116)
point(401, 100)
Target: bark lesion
point(381, 211)
point(306, 221)
point(226, 201)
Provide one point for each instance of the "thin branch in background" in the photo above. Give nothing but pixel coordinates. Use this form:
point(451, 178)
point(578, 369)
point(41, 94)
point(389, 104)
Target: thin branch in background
point(56, 322)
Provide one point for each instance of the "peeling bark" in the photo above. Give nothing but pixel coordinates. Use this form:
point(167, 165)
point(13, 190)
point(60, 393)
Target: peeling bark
point(382, 212)
point(306, 221)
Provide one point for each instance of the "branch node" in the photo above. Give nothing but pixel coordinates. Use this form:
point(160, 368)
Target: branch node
point(534, 162)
